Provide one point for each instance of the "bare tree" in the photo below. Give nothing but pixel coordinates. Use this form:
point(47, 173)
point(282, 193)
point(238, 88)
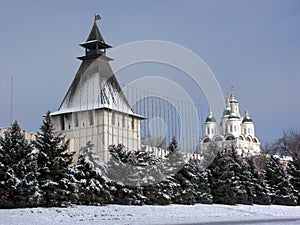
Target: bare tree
point(288, 144)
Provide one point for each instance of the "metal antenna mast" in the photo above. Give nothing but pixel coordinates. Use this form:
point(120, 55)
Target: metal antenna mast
point(11, 99)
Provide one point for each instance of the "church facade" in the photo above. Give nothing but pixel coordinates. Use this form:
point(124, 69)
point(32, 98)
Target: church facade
point(233, 130)
point(95, 109)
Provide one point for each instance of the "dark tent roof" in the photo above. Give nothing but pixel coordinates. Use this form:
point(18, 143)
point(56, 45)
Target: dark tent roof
point(95, 34)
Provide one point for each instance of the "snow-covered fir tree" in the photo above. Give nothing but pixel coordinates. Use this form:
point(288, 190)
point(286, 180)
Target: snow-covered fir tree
point(221, 180)
point(18, 170)
point(55, 181)
point(134, 168)
point(241, 169)
point(294, 172)
point(173, 145)
point(171, 189)
point(229, 179)
point(93, 187)
point(208, 154)
point(131, 173)
point(194, 186)
point(261, 190)
point(282, 191)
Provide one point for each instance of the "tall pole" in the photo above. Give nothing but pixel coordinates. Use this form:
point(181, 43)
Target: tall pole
point(11, 99)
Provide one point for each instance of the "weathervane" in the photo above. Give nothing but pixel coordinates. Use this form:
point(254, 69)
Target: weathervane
point(97, 17)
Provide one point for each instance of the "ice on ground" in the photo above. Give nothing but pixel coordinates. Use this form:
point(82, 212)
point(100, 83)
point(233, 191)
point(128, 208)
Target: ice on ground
point(172, 214)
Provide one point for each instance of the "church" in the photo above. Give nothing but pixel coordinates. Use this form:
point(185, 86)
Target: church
point(94, 108)
point(234, 130)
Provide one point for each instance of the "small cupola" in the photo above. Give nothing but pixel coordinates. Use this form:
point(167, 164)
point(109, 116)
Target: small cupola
point(210, 118)
point(95, 45)
point(247, 118)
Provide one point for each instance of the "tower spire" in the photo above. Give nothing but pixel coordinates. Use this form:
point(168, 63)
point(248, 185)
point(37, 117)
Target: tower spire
point(246, 111)
point(95, 45)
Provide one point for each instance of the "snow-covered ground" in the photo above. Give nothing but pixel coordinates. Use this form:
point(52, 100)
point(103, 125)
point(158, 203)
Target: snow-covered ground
point(172, 214)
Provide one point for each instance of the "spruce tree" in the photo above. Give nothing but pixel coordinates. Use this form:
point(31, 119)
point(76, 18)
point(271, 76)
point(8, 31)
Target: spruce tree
point(282, 192)
point(53, 160)
point(208, 154)
point(222, 180)
point(229, 179)
point(241, 169)
point(126, 172)
point(173, 145)
point(294, 172)
point(261, 190)
point(18, 184)
point(134, 168)
point(89, 172)
point(193, 185)
point(174, 161)
point(200, 180)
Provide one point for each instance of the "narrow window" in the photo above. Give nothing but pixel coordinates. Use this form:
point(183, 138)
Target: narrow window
point(113, 118)
point(75, 119)
point(91, 117)
point(132, 123)
point(245, 131)
point(123, 120)
point(62, 122)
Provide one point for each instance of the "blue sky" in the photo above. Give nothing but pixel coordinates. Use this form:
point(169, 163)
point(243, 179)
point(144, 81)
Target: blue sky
point(251, 45)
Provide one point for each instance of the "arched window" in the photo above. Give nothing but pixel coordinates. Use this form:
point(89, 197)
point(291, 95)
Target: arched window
point(249, 139)
point(206, 140)
point(217, 138)
point(230, 137)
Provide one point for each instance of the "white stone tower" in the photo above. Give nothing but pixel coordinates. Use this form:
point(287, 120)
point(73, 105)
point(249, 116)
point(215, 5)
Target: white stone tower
point(95, 108)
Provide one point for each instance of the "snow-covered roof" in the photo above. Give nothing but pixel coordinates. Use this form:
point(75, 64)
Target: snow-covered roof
point(94, 87)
